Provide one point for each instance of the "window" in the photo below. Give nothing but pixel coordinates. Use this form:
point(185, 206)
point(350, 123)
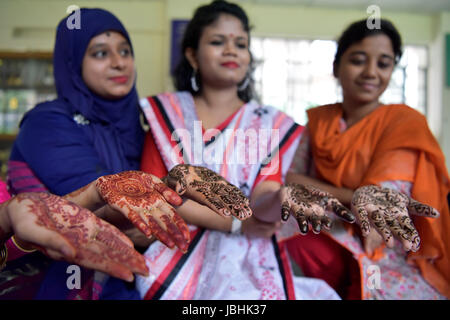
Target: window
point(295, 75)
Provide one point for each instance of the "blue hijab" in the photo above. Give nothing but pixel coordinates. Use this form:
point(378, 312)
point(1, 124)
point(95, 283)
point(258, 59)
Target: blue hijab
point(114, 127)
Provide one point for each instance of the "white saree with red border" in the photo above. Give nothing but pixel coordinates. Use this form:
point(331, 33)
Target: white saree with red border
point(257, 143)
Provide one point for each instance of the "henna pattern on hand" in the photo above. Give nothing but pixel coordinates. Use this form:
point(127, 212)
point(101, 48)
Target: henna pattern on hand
point(309, 206)
point(144, 200)
point(96, 243)
point(387, 210)
point(208, 188)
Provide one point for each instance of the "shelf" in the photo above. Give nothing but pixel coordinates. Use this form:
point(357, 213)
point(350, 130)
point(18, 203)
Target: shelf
point(7, 137)
point(36, 88)
point(25, 55)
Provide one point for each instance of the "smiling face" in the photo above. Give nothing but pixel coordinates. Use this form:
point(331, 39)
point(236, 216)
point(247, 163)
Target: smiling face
point(365, 69)
point(223, 55)
point(108, 66)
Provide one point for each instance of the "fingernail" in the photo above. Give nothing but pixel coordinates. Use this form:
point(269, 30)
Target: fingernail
point(304, 229)
point(130, 277)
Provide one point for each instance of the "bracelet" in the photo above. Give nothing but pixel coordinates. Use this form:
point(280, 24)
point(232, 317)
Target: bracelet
point(13, 239)
point(236, 226)
point(3, 256)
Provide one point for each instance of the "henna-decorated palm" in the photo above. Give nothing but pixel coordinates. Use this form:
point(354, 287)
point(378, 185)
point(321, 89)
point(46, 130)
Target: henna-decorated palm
point(388, 212)
point(208, 188)
point(145, 200)
point(63, 230)
point(309, 206)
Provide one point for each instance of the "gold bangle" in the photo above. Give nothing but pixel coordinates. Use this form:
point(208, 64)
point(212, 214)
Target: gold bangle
point(3, 256)
point(20, 247)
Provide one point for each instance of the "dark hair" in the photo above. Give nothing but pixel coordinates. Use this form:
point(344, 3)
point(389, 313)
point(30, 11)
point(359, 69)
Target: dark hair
point(359, 30)
point(203, 17)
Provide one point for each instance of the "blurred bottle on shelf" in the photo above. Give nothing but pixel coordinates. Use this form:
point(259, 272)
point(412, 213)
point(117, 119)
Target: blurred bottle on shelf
point(2, 108)
point(11, 113)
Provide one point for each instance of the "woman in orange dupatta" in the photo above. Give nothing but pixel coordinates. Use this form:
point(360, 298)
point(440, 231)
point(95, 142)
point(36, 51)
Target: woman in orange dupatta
point(361, 142)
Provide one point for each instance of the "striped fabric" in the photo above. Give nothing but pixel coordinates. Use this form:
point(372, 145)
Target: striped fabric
point(218, 265)
point(21, 179)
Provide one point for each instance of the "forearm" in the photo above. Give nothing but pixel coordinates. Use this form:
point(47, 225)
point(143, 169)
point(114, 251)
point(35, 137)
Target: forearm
point(199, 215)
point(86, 197)
point(265, 202)
point(344, 195)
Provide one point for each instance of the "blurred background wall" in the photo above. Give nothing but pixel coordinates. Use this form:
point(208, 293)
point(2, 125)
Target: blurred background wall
point(305, 28)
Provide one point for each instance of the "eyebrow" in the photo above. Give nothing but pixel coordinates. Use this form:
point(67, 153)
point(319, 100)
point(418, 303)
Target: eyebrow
point(103, 44)
point(384, 55)
point(224, 36)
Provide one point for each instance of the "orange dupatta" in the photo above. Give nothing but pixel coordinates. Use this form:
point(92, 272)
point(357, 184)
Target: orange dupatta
point(380, 147)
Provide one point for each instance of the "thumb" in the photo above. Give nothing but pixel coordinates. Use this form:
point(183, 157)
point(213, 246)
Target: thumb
point(47, 239)
point(420, 209)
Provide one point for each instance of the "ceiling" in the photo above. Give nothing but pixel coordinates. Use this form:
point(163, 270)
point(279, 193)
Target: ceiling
point(422, 6)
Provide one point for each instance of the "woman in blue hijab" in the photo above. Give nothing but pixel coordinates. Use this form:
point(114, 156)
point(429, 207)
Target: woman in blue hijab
point(92, 129)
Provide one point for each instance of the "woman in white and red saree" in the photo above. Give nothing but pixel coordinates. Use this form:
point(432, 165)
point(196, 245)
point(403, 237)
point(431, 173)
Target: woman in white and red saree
point(213, 122)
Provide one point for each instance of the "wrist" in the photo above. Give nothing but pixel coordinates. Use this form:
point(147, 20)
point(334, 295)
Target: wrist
point(22, 245)
point(87, 197)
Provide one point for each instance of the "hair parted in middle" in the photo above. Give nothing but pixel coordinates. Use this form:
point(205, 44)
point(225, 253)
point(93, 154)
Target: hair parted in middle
point(204, 16)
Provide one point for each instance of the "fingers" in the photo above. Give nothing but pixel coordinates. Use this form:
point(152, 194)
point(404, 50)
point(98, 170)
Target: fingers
point(107, 242)
point(341, 211)
point(399, 233)
point(210, 189)
point(213, 202)
point(302, 221)
point(421, 209)
point(104, 249)
point(140, 221)
point(316, 223)
point(362, 218)
point(175, 227)
point(153, 217)
point(177, 178)
point(171, 196)
point(167, 226)
point(413, 236)
point(382, 227)
point(285, 211)
point(48, 240)
point(244, 212)
point(326, 222)
point(95, 256)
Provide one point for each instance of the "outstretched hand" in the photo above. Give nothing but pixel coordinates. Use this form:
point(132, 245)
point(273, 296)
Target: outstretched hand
point(309, 206)
point(63, 230)
point(146, 201)
point(210, 189)
point(388, 212)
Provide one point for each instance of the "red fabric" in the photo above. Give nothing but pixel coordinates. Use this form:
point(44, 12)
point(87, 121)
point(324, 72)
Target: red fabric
point(335, 265)
point(152, 161)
